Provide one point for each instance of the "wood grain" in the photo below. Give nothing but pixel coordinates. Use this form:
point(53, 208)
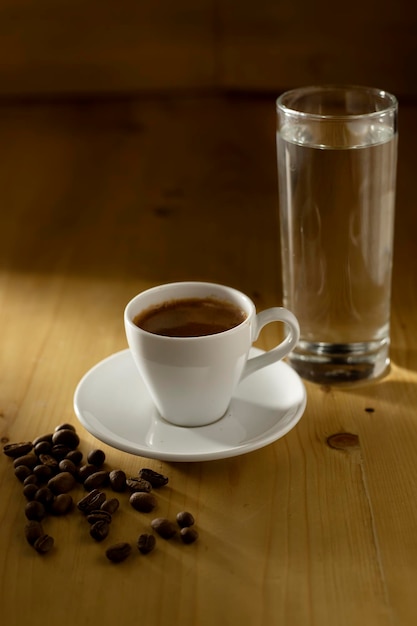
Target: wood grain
point(288, 45)
point(100, 200)
point(97, 47)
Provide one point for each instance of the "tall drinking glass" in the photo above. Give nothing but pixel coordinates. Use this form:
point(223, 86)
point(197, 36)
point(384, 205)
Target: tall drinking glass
point(337, 155)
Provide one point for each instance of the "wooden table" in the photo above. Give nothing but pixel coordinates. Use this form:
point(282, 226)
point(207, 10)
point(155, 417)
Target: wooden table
point(101, 200)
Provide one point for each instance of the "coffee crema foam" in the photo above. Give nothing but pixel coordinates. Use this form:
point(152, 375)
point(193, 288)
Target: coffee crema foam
point(190, 317)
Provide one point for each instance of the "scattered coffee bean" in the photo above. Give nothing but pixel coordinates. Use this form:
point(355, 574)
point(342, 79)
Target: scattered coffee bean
point(100, 530)
point(85, 471)
point(49, 467)
point(76, 456)
point(118, 552)
point(44, 495)
point(43, 472)
point(117, 480)
point(29, 460)
point(43, 447)
point(66, 437)
point(164, 527)
point(65, 426)
point(96, 480)
point(14, 450)
point(91, 501)
point(49, 460)
point(47, 437)
point(30, 490)
point(22, 472)
point(139, 484)
point(110, 505)
point(184, 519)
point(188, 534)
point(60, 451)
point(31, 480)
point(156, 479)
point(67, 466)
point(98, 516)
point(33, 530)
point(35, 510)
point(146, 543)
point(44, 544)
point(142, 501)
point(96, 457)
point(62, 504)
point(61, 483)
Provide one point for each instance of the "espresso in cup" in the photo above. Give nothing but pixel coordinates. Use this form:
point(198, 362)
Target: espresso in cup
point(189, 363)
point(190, 317)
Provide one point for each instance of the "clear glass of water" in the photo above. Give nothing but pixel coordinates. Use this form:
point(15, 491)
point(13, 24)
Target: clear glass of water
point(337, 156)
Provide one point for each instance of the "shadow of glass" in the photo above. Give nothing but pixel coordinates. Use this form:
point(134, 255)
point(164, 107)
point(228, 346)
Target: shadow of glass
point(398, 387)
point(404, 358)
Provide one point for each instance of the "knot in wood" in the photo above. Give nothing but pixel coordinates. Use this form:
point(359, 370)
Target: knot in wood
point(343, 441)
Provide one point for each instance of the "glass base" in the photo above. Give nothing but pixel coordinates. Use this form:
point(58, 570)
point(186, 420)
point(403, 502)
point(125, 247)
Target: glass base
point(338, 364)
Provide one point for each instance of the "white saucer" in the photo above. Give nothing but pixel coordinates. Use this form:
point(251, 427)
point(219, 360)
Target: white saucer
point(113, 404)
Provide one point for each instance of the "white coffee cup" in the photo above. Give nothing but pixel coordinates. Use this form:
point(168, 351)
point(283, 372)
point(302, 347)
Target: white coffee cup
point(191, 380)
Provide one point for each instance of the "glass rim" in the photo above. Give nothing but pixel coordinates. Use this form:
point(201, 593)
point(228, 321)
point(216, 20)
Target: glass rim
point(391, 101)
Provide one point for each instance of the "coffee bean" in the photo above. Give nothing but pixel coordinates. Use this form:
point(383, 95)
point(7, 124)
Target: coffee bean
point(44, 544)
point(33, 530)
point(30, 460)
point(118, 552)
point(67, 466)
point(14, 450)
point(138, 484)
point(96, 457)
point(30, 490)
point(96, 480)
point(188, 534)
point(117, 480)
point(164, 527)
point(91, 501)
point(59, 451)
point(76, 456)
point(85, 471)
point(184, 519)
point(31, 480)
point(44, 495)
point(35, 510)
point(99, 530)
point(22, 472)
point(43, 472)
point(110, 505)
point(156, 479)
point(61, 483)
point(98, 516)
point(146, 543)
point(47, 437)
point(49, 461)
point(141, 501)
point(62, 504)
point(43, 447)
point(66, 437)
point(65, 426)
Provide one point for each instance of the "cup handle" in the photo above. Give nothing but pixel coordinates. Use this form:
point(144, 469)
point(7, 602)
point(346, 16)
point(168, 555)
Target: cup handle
point(275, 314)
